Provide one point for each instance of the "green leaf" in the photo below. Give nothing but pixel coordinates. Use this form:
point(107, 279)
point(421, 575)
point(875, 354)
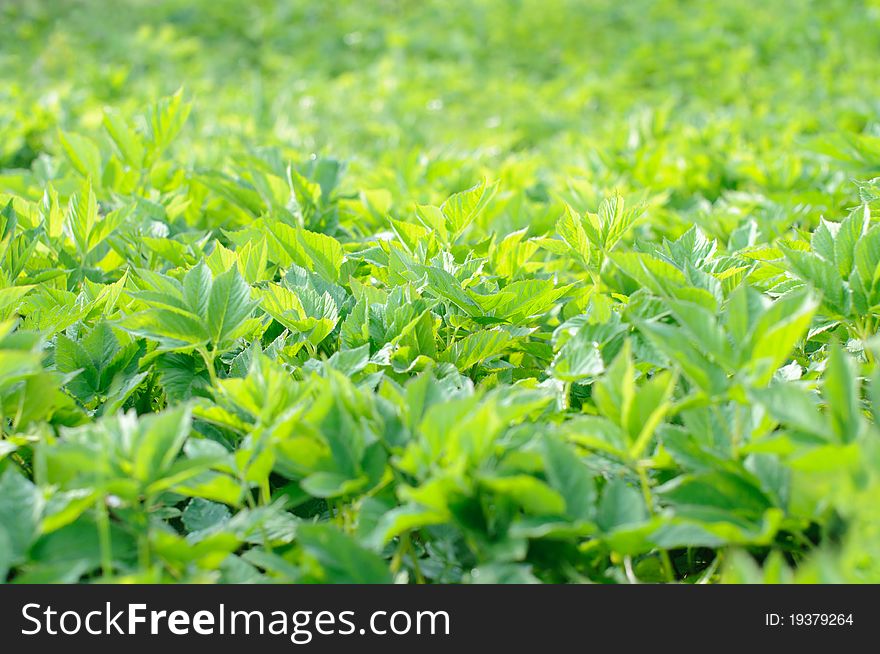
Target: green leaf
point(569, 476)
point(331, 484)
point(461, 209)
point(197, 286)
point(20, 508)
point(777, 331)
point(83, 155)
point(851, 230)
point(444, 285)
point(840, 389)
point(229, 306)
point(621, 505)
point(650, 404)
point(160, 439)
point(165, 119)
point(570, 229)
point(823, 275)
point(476, 348)
point(533, 495)
point(615, 220)
point(201, 514)
point(172, 329)
point(65, 507)
point(324, 253)
point(790, 405)
point(579, 358)
point(342, 561)
point(433, 218)
point(128, 142)
point(702, 326)
point(677, 346)
point(716, 490)
point(7, 556)
point(311, 250)
point(82, 214)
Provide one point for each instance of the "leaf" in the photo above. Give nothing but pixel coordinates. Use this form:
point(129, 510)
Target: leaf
point(71, 357)
point(160, 439)
point(7, 558)
point(210, 485)
point(82, 214)
point(571, 478)
point(578, 359)
point(331, 484)
point(867, 261)
point(324, 252)
point(789, 404)
point(197, 286)
point(697, 367)
point(615, 220)
point(311, 250)
point(717, 490)
point(172, 329)
point(533, 495)
point(823, 275)
point(444, 285)
point(658, 276)
point(307, 192)
point(342, 560)
point(840, 390)
point(822, 240)
point(476, 348)
point(201, 514)
point(229, 305)
point(705, 331)
point(850, 231)
point(127, 141)
point(356, 326)
point(83, 155)
point(182, 376)
point(64, 508)
point(165, 119)
point(570, 228)
point(20, 507)
point(519, 301)
point(621, 505)
point(461, 209)
point(777, 331)
point(432, 218)
point(650, 404)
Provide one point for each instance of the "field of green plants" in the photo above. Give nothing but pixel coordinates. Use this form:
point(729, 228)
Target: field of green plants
point(439, 291)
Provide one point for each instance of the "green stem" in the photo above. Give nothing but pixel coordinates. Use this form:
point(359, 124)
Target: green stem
point(209, 364)
point(645, 484)
point(403, 545)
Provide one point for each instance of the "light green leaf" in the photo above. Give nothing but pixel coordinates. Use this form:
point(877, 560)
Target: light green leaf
point(229, 306)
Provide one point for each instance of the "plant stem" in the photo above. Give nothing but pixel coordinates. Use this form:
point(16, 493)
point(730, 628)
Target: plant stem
point(209, 364)
point(645, 483)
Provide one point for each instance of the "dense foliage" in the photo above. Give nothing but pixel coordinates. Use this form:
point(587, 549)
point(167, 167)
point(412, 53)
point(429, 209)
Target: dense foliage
point(453, 291)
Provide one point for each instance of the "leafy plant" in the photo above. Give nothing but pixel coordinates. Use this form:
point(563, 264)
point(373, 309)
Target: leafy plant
point(439, 292)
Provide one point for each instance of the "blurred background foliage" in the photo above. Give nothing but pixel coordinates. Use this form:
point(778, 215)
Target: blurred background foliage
point(694, 101)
